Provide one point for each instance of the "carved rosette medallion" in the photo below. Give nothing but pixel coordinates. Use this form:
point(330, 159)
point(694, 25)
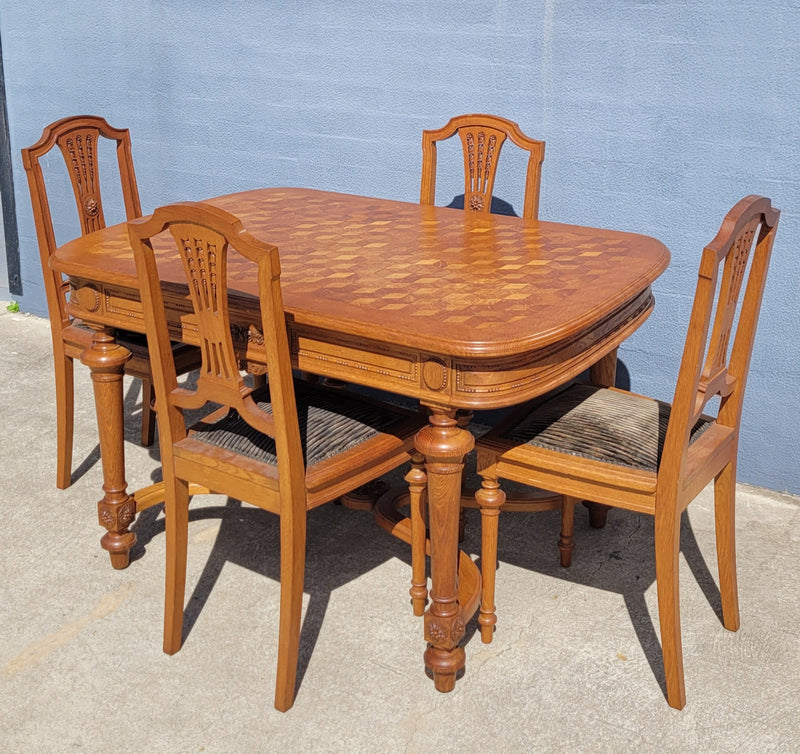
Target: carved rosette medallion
point(436, 632)
point(434, 375)
point(87, 297)
point(476, 203)
point(444, 634)
point(91, 206)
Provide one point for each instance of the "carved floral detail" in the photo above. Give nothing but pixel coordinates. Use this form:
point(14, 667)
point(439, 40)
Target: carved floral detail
point(436, 632)
point(741, 254)
point(247, 335)
point(90, 206)
point(79, 152)
point(127, 513)
point(254, 367)
point(476, 202)
point(117, 517)
point(481, 153)
point(255, 336)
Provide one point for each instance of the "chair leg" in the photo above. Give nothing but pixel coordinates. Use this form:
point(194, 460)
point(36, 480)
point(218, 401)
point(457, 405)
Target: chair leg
point(176, 512)
point(417, 488)
point(293, 558)
point(725, 520)
point(65, 418)
point(667, 541)
point(565, 542)
point(598, 513)
point(148, 414)
point(490, 498)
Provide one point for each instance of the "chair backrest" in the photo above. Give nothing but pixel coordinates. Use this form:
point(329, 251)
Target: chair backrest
point(482, 137)
point(722, 326)
point(202, 237)
point(77, 137)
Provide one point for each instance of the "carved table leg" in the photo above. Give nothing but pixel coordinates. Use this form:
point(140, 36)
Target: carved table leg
point(444, 444)
point(116, 511)
point(603, 374)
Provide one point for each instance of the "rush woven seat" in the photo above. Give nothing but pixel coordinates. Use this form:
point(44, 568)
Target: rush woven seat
point(601, 425)
point(330, 422)
point(623, 450)
point(286, 448)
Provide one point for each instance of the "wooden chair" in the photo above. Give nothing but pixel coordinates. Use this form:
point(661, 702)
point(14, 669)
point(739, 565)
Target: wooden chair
point(288, 447)
point(77, 138)
point(482, 137)
point(633, 452)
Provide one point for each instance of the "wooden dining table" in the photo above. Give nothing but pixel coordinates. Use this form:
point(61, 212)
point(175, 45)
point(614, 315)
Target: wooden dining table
point(459, 310)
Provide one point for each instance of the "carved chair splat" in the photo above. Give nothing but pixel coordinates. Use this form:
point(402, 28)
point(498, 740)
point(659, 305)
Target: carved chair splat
point(78, 139)
point(482, 138)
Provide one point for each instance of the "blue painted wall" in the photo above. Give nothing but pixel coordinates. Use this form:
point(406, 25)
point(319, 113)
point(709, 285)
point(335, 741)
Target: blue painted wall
point(658, 117)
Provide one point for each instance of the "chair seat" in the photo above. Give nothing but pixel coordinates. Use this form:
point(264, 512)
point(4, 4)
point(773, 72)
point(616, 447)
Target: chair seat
point(599, 424)
point(331, 423)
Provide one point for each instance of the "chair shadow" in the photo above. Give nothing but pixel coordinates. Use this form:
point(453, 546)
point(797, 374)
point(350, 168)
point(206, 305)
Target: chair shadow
point(249, 537)
point(532, 545)
point(498, 206)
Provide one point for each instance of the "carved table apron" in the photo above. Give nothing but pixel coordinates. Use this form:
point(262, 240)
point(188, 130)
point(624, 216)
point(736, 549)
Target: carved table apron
point(458, 310)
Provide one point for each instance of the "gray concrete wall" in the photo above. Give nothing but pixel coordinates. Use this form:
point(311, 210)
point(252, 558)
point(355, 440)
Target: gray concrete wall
point(658, 117)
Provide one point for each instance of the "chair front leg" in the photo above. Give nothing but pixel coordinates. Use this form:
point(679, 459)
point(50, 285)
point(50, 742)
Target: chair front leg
point(667, 541)
point(417, 488)
point(148, 412)
point(725, 522)
point(566, 544)
point(490, 498)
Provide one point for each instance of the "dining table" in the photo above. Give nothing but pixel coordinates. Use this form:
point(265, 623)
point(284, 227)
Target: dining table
point(460, 311)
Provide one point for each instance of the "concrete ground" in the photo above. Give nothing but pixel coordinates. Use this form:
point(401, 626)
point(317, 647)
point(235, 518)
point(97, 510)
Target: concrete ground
point(575, 664)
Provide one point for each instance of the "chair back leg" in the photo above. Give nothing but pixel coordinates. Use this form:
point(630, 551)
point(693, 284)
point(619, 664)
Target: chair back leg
point(65, 416)
point(293, 558)
point(176, 512)
point(148, 413)
point(725, 522)
point(667, 541)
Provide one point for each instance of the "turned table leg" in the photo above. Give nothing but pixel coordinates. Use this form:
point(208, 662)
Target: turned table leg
point(116, 511)
point(444, 444)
